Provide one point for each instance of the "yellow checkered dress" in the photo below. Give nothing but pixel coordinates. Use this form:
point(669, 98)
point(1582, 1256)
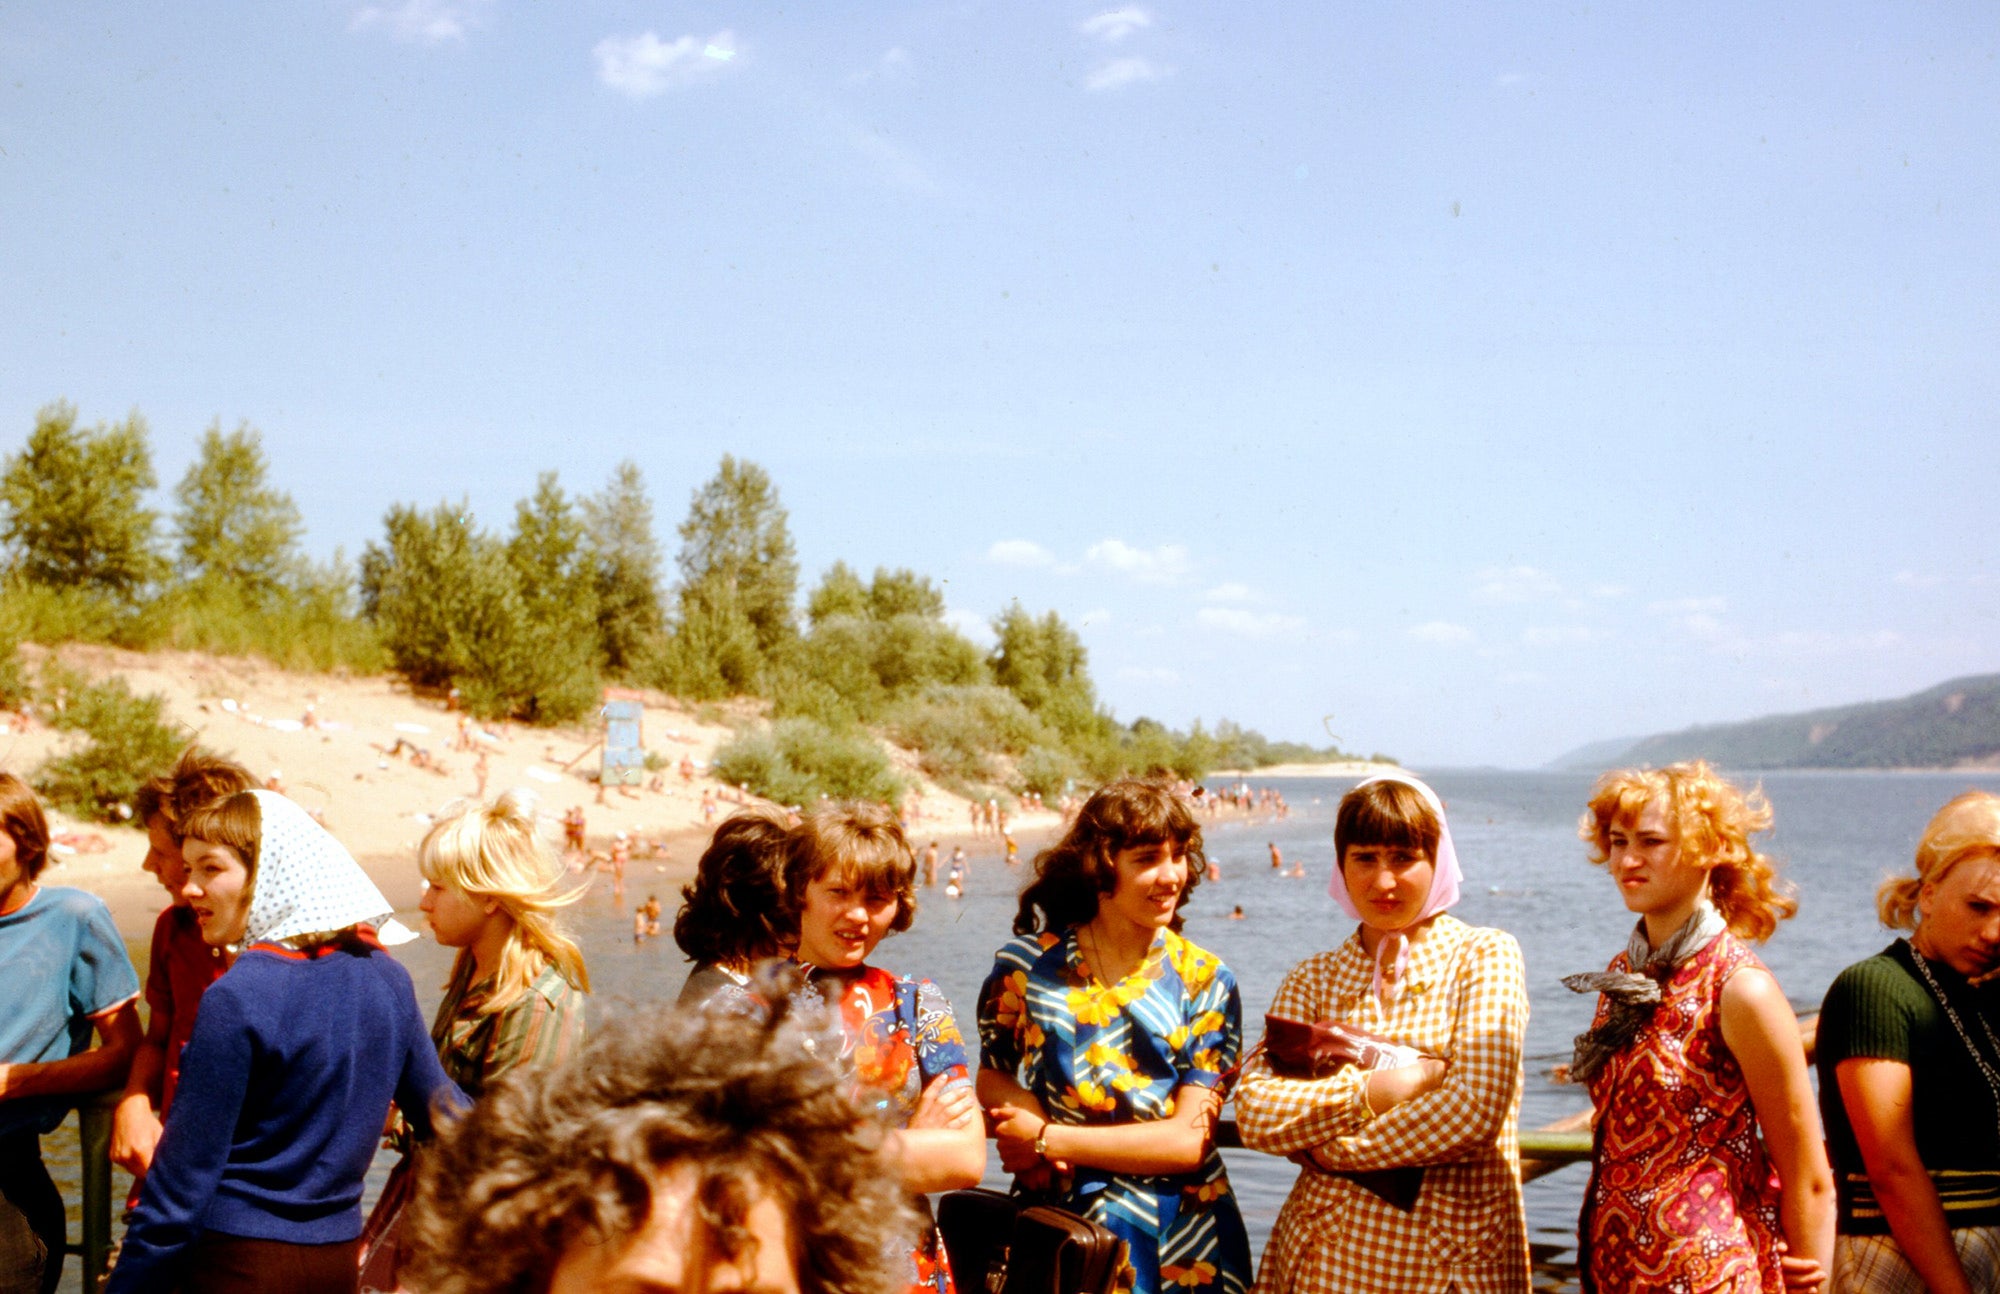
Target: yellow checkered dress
point(1466, 1000)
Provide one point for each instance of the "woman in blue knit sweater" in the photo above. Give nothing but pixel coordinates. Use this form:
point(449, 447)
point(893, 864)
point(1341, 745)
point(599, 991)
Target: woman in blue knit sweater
point(297, 1054)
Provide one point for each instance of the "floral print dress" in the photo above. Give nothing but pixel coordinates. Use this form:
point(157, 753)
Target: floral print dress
point(1096, 1053)
point(897, 1036)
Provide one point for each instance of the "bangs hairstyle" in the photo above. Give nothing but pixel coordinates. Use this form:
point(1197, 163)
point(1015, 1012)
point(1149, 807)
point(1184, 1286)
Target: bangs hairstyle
point(1714, 820)
point(732, 911)
point(236, 821)
point(1387, 813)
point(1073, 875)
point(21, 817)
point(198, 778)
point(497, 851)
point(862, 843)
point(1967, 827)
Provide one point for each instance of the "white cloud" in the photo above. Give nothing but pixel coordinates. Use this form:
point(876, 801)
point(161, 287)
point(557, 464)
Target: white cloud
point(974, 626)
point(1167, 564)
point(424, 22)
point(1230, 592)
point(1515, 584)
point(1560, 635)
point(1249, 624)
point(1114, 25)
point(1020, 552)
point(1121, 72)
point(1442, 632)
point(644, 65)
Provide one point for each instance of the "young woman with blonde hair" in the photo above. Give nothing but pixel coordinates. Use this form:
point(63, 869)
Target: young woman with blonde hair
point(515, 996)
point(1693, 1060)
point(1909, 1072)
point(491, 890)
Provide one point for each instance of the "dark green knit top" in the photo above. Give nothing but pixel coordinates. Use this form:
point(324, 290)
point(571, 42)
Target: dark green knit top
point(1880, 1008)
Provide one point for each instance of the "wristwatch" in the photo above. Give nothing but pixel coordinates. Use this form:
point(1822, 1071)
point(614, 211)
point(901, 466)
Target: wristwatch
point(1042, 1141)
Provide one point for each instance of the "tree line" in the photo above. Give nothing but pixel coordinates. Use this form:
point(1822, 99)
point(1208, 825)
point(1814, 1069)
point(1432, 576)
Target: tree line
point(530, 622)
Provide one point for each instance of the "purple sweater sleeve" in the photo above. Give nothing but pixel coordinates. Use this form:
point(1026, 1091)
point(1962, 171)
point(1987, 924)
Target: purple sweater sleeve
point(215, 1075)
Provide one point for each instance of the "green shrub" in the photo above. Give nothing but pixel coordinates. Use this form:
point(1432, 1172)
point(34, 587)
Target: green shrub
point(1047, 771)
point(130, 741)
point(42, 613)
point(311, 629)
point(799, 760)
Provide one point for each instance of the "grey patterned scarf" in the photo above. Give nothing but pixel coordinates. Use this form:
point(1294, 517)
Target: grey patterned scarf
point(1634, 994)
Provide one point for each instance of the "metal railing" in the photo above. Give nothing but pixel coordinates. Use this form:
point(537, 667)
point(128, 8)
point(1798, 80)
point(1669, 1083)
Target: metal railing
point(93, 1130)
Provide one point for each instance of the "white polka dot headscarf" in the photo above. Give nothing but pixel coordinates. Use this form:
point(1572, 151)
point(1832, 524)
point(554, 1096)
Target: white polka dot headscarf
point(308, 884)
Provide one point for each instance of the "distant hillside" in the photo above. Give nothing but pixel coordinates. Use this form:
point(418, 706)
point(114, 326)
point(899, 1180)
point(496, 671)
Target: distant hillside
point(1952, 725)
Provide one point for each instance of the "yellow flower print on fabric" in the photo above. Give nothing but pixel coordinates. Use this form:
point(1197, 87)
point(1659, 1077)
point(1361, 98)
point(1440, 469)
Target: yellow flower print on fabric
point(1089, 1097)
point(1177, 1038)
point(1093, 1005)
point(1130, 1082)
point(1188, 1277)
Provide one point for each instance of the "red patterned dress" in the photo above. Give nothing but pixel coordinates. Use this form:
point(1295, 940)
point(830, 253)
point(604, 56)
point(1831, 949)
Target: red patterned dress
point(1682, 1198)
point(898, 1035)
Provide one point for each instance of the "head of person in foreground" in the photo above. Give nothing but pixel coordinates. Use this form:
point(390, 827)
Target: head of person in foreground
point(1952, 904)
point(700, 1153)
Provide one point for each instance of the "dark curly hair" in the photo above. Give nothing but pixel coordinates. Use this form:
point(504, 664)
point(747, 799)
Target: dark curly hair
point(865, 843)
point(558, 1154)
point(1077, 871)
point(731, 912)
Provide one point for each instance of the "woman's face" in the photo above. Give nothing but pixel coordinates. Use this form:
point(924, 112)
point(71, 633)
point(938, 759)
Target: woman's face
point(456, 918)
point(218, 890)
point(841, 923)
point(1388, 883)
point(1149, 882)
point(1961, 917)
point(1645, 860)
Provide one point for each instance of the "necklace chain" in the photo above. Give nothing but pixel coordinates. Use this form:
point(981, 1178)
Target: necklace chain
point(1986, 1070)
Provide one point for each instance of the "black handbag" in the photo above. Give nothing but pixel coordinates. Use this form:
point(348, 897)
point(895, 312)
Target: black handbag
point(1001, 1244)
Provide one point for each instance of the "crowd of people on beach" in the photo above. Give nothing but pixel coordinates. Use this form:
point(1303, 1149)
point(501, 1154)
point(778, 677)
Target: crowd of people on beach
point(780, 1129)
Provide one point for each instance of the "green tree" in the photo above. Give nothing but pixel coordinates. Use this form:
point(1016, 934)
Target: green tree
point(234, 528)
point(840, 593)
point(1044, 662)
point(736, 551)
point(903, 592)
point(447, 600)
point(626, 553)
point(75, 505)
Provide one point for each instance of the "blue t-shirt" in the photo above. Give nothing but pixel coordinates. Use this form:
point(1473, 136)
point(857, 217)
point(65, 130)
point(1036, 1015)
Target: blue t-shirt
point(62, 962)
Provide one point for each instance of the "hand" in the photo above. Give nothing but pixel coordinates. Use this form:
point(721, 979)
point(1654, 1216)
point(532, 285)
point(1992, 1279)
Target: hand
point(135, 1134)
point(945, 1105)
point(1014, 1134)
point(1801, 1275)
point(6, 1075)
point(1389, 1088)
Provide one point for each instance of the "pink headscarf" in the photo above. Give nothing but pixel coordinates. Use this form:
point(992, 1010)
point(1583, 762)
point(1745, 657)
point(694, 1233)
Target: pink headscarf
point(1392, 955)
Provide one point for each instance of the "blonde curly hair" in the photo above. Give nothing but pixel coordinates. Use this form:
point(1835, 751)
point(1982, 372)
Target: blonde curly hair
point(1714, 820)
point(1967, 827)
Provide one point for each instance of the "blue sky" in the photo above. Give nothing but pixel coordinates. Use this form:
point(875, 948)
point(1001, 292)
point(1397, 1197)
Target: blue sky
point(1491, 378)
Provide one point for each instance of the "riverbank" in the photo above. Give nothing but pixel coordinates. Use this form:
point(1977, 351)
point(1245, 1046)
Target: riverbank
point(1335, 768)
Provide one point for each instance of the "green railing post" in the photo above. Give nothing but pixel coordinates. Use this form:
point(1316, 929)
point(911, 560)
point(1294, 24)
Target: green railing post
point(93, 1129)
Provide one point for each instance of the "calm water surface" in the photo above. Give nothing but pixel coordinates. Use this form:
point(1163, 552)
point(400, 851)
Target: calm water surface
point(1837, 835)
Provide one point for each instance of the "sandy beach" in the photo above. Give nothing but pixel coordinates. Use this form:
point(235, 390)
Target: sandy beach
point(1336, 768)
point(328, 741)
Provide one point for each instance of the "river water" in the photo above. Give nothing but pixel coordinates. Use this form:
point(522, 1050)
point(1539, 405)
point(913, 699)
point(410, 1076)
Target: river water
point(1836, 836)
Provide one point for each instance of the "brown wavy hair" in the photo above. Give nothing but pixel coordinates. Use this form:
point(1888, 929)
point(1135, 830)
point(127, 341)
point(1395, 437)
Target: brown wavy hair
point(22, 819)
point(1714, 820)
point(731, 911)
point(1073, 875)
point(198, 778)
point(569, 1153)
point(866, 844)
point(1966, 827)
